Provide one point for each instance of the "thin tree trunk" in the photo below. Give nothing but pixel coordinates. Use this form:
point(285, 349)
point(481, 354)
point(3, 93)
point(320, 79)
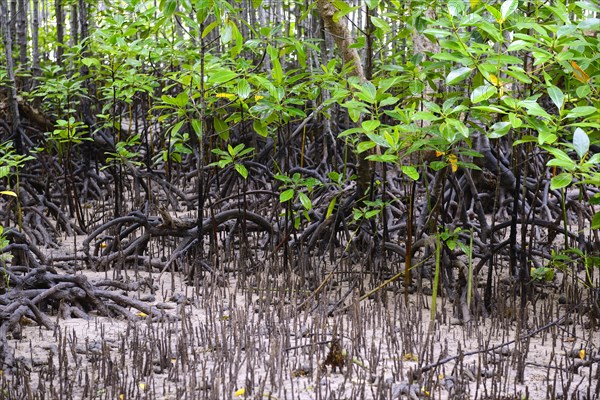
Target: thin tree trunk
point(35, 46)
point(74, 34)
point(60, 31)
point(23, 7)
point(343, 39)
point(12, 21)
point(10, 76)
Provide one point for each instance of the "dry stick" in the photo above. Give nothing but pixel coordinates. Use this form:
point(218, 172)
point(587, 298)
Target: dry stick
point(498, 346)
point(378, 288)
point(318, 290)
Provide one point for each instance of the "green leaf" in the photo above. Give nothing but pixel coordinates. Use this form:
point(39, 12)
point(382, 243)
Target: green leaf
point(221, 128)
point(596, 221)
point(209, 28)
point(483, 93)
point(197, 127)
point(372, 3)
point(590, 24)
point(455, 8)
point(561, 180)
point(388, 101)
point(260, 128)
point(381, 24)
point(306, 203)
point(175, 129)
point(458, 75)
point(243, 89)
point(364, 146)
point(203, 7)
point(568, 165)
point(583, 91)
point(490, 109)
point(411, 172)
point(517, 45)
point(87, 61)
point(286, 195)
point(226, 32)
point(558, 153)
point(507, 8)
point(368, 92)
point(546, 136)
point(170, 7)
point(519, 74)
point(469, 165)
point(221, 76)
point(416, 87)
point(378, 139)
point(343, 9)
point(515, 121)
point(534, 109)
point(385, 158)
point(581, 111)
point(331, 207)
point(557, 96)
point(499, 129)
point(236, 150)
point(371, 125)
point(581, 142)
point(276, 69)
point(241, 169)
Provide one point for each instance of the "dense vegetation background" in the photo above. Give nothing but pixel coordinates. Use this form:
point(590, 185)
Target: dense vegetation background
point(448, 148)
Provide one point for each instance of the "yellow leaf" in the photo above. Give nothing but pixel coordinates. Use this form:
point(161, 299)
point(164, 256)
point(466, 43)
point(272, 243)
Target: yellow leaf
point(229, 96)
point(474, 3)
point(495, 81)
point(142, 385)
point(579, 74)
point(453, 160)
point(121, 396)
point(103, 245)
point(439, 153)
point(142, 314)
point(582, 354)
point(8, 193)
point(258, 97)
point(240, 392)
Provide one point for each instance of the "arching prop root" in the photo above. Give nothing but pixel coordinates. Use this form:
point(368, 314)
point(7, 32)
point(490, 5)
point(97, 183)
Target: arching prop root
point(41, 293)
point(124, 243)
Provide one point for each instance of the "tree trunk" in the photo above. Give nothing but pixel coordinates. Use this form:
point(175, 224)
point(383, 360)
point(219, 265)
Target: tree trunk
point(35, 44)
point(10, 77)
point(74, 34)
point(12, 21)
point(343, 39)
point(60, 31)
point(23, 6)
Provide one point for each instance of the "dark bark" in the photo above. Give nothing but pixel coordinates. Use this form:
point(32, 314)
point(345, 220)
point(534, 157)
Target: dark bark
point(13, 104)
point(60, 31)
